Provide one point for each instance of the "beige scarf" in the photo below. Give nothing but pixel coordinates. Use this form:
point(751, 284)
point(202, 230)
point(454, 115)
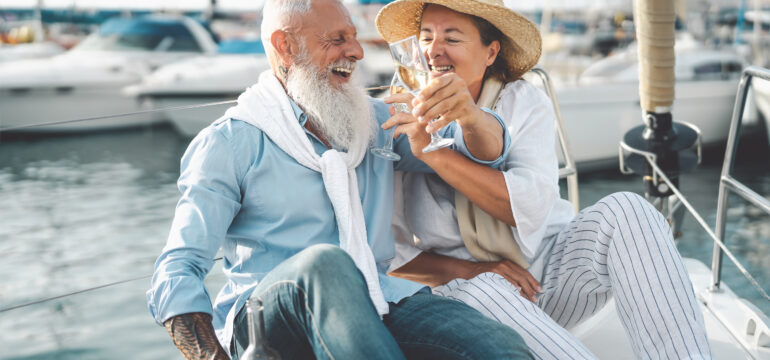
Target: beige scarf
point(487, 238)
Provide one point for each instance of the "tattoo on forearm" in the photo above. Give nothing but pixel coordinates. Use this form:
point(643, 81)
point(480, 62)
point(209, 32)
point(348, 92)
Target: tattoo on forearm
point(194, 335)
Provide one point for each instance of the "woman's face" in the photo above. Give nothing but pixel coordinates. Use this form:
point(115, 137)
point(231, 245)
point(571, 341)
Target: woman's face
point(452, 43)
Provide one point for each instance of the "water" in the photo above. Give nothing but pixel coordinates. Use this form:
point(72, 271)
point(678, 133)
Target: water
point(83, 210)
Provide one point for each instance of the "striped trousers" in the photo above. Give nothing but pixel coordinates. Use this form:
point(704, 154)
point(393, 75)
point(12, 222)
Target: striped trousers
point(622, 247)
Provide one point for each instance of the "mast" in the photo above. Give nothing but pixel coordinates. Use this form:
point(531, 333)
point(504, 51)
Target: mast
point(39, 29)
point(669, 142)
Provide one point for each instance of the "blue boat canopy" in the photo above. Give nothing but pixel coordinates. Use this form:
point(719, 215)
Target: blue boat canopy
point(238, 46)
point(146, 33)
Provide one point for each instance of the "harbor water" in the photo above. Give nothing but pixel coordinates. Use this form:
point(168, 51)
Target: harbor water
point(81, 211)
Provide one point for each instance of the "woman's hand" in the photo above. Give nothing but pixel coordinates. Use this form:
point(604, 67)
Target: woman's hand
point(407, 124)
point(515, 274)
point(447, 97)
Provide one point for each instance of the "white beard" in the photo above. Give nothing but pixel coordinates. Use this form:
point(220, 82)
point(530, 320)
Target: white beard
point(343, 116)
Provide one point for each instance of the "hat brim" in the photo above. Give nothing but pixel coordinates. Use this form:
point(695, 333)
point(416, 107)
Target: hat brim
point(401, 19)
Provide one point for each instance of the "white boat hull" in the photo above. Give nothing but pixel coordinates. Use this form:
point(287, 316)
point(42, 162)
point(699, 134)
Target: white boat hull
point(190, 121)
point(34, 106)
point(596, 116)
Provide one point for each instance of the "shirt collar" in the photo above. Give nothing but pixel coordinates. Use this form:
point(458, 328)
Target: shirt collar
point(298, 113)
point(302, 118)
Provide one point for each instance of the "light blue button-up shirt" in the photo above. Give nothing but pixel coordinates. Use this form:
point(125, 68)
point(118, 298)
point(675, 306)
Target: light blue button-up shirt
point(243, 194)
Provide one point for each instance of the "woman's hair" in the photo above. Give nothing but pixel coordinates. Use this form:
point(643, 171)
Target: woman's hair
point(490, 33)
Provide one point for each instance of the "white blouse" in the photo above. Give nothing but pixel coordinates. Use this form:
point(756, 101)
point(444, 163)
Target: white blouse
point(425, 218)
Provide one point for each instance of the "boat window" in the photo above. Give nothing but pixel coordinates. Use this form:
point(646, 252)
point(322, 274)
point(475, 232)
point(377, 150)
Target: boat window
point(717, 70)
point(606, 69)
point(238, 46)
point(141, 34)
point(734, 68)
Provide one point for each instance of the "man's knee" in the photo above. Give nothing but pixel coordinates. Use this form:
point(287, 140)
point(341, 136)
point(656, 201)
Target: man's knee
point(441, 320)
point(322, 258)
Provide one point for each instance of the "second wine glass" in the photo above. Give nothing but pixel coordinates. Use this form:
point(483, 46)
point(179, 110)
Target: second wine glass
point(386, 151)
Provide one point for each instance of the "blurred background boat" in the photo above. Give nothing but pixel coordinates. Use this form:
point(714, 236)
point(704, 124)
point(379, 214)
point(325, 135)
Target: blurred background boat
point(223, 76)
point(761, 96)
point(604, 102)
point(201, 80)
point(87, 80)
point(30, 50)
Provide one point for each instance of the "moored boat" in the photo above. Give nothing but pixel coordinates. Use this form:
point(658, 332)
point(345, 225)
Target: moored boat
point(605, 103)
point(87, 81)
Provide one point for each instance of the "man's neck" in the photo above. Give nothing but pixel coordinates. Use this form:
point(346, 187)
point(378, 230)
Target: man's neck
point(310, 127)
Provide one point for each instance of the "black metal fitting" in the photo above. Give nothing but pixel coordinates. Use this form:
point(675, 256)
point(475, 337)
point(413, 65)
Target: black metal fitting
point(669, 141)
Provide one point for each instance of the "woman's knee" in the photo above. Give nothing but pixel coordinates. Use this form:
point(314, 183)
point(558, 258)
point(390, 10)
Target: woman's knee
point(637, 212)
point(631, 205)
point(622, 199)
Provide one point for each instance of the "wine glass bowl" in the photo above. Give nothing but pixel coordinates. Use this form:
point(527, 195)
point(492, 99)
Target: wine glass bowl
point(412, 72)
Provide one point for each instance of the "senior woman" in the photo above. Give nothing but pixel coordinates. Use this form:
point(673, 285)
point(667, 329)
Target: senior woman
point(503, 241)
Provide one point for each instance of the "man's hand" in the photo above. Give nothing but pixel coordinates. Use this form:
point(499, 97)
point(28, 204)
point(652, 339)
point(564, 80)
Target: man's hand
point(407, 124)
point(194, 335)
point(515, 274)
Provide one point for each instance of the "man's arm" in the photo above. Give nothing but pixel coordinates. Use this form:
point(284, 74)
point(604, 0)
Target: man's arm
point(195, 337)
point(209, 183)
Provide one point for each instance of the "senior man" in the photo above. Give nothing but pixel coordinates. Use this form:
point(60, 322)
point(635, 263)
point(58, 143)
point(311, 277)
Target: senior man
point(284, 185)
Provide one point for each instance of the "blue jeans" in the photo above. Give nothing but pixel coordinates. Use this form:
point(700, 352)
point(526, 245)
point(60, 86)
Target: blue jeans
point(316, 303)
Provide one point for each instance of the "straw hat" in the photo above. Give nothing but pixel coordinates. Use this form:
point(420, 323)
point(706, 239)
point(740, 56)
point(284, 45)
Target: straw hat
point(521, 49)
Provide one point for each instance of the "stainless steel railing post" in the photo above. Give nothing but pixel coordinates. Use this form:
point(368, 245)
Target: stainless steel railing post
point(726, 182)
point(569, 170)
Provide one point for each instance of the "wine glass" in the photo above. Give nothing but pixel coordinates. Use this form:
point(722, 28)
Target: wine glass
point(386, 151)
point(412, 72)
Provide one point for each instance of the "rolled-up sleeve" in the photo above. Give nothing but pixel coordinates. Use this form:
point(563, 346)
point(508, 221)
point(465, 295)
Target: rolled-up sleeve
point(456, 132)
point(409, 162)
point(531, 167)
point(210, 199)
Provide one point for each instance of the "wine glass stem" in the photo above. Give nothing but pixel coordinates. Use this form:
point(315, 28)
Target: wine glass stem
point(434, 136)
point(389, 140)
point(399, 107)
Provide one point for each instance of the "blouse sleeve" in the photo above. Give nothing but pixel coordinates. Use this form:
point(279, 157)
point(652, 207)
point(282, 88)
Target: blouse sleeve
point(531, 167)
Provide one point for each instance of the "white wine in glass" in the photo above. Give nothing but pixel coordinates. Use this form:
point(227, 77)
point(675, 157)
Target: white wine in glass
point(411, 77)
point(412, 71)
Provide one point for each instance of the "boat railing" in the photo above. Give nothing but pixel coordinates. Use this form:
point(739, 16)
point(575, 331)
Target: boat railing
point(727, 183)
point(567, 170)
point(114, 116)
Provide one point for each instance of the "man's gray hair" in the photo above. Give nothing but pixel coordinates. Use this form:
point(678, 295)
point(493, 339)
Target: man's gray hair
point(276, 14)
